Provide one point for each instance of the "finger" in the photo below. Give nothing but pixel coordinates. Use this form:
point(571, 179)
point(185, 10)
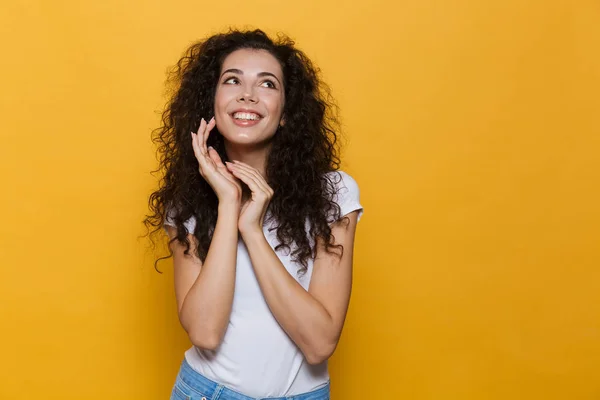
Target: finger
point(201, 155)
point(229, 176)
point(249, 180)
point(211, 124)
point(248, 168)
point(202, 123)
point(214, 155)
point(194, 146)
point(257, 179)
point(204, 130)
point(216, 159)
point(260, 180)
point(197, 152)
point(200, 136)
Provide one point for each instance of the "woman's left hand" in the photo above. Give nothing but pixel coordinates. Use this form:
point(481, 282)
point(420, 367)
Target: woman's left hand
point(253, 211)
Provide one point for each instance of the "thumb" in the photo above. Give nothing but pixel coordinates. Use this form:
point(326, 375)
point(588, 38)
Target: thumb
point(214, 155)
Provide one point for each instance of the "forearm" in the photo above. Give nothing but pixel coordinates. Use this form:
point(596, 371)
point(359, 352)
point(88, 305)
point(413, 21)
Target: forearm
point(207, 306)
point(302, 316)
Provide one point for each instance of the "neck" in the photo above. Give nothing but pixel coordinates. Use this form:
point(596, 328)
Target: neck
point(256, 156)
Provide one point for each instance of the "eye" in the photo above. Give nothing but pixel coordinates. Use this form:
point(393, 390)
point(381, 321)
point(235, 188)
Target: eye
point(230, 79)
point(269, 84)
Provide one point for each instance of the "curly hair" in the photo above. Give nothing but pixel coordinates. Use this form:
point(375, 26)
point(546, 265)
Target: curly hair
point(304, 150)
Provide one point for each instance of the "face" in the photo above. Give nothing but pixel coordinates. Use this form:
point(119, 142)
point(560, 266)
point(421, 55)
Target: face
point(249, 98)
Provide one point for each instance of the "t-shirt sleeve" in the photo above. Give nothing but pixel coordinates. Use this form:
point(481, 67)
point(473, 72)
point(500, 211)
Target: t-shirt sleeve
point(348, 197)
point(190, 224)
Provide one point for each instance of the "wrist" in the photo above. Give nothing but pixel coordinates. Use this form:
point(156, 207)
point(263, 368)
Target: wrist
point(252, 233)
point(229, 209)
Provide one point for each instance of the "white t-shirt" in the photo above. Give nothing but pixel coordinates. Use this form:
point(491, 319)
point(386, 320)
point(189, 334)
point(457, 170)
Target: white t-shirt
point(256, 356)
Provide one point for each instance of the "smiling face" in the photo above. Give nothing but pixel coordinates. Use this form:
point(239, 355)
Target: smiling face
point(249, 98)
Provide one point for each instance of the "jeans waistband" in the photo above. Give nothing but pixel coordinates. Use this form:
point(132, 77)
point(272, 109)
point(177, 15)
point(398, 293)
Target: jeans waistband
point(215, 391)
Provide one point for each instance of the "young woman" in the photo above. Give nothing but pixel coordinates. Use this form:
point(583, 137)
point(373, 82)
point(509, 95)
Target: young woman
point(260, 219)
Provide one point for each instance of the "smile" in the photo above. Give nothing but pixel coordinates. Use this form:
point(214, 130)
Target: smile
point(244, 116)
point(246, 119)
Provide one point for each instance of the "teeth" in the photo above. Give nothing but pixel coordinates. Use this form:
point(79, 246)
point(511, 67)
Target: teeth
point(242, 115)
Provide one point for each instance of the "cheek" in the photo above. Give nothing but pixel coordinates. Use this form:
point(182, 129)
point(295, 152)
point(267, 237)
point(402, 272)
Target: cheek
point(218, 100)
point(222, 97)
point(275, 106)
point(220, 108)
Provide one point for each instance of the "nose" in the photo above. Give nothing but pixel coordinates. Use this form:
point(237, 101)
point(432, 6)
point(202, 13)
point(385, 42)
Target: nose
point(247, 95)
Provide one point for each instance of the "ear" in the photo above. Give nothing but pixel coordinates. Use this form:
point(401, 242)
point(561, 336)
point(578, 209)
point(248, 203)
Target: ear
point(282, 121)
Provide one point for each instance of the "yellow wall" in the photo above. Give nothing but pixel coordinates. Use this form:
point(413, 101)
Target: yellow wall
point(473, 130)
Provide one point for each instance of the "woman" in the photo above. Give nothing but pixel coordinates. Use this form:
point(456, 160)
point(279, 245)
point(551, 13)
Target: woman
point(255, 210)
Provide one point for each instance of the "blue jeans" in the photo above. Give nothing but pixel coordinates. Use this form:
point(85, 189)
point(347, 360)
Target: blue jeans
point(190, 385)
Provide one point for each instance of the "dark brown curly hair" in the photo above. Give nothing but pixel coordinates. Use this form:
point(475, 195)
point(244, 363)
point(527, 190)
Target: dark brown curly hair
point(304, 150)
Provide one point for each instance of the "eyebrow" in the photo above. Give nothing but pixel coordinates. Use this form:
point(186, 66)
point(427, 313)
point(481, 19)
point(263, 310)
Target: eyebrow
point(240, 72)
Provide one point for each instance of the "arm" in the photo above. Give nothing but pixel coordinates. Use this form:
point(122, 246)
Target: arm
point(204, 292)
point(312, 319)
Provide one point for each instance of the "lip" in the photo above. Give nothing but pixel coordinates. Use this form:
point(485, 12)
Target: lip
point(246, 110)
point(246, 123)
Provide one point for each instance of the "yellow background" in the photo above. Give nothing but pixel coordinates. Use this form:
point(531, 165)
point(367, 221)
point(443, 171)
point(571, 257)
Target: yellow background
point(472, 129)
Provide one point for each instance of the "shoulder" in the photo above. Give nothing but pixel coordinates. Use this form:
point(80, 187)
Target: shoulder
point(346, 192)
point(190, 223)
point(343, 180)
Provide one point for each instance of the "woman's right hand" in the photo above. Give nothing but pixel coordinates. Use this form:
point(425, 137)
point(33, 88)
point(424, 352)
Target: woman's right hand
point(227, 187)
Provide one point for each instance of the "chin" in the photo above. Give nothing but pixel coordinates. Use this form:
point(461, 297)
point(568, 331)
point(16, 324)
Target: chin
point(246, 137)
